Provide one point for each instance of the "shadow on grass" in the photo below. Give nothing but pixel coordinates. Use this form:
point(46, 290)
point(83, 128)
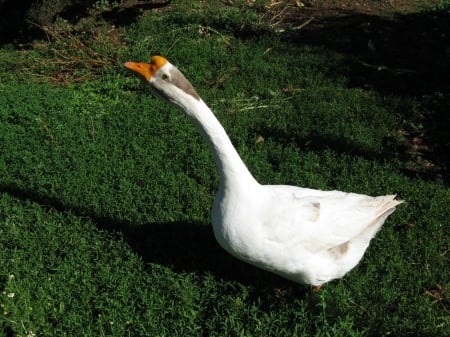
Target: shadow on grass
point(15, 16)
point(127, 14)
point(402, 54)
point(392, 148)
point(405, 56)
point(182, 246)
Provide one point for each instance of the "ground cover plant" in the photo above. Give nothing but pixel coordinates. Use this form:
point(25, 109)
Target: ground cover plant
point(105, 191)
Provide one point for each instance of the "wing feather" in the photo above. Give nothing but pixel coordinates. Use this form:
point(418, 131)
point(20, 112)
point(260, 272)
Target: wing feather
point(318, 220)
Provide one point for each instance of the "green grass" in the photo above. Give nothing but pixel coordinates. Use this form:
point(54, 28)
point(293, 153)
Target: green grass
point(105, 192)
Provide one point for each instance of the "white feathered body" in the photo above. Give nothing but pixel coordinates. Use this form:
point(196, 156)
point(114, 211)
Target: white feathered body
point(305, 235)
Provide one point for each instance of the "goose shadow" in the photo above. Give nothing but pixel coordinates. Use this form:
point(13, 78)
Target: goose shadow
point(183, 246)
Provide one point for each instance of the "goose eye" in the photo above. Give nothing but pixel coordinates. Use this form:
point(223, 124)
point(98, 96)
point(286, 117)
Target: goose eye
point(165, 77)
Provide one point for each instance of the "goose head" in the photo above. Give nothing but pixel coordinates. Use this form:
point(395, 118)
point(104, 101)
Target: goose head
point(165, 80)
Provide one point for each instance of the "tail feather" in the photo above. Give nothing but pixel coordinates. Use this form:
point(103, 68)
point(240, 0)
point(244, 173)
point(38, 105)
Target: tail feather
point(386, 207)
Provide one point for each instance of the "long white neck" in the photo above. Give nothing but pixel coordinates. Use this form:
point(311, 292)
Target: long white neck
point(231, 168)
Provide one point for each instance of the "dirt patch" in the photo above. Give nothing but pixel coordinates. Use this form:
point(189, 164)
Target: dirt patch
point(284, 13)
point(333, 7)
point(368, 6)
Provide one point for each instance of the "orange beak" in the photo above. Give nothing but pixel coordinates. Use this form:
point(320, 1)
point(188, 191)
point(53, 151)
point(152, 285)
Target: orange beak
point(144, 70)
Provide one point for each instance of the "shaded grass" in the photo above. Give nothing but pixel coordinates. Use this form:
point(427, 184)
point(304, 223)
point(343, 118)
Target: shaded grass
point(106, 192)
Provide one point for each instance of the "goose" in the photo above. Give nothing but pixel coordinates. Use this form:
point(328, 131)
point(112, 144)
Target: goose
point(305, 235)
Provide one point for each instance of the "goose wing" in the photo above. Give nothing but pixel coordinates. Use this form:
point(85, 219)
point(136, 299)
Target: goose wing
point(319, 220)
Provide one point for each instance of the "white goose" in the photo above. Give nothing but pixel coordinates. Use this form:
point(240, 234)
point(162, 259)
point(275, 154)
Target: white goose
point(305, 235)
